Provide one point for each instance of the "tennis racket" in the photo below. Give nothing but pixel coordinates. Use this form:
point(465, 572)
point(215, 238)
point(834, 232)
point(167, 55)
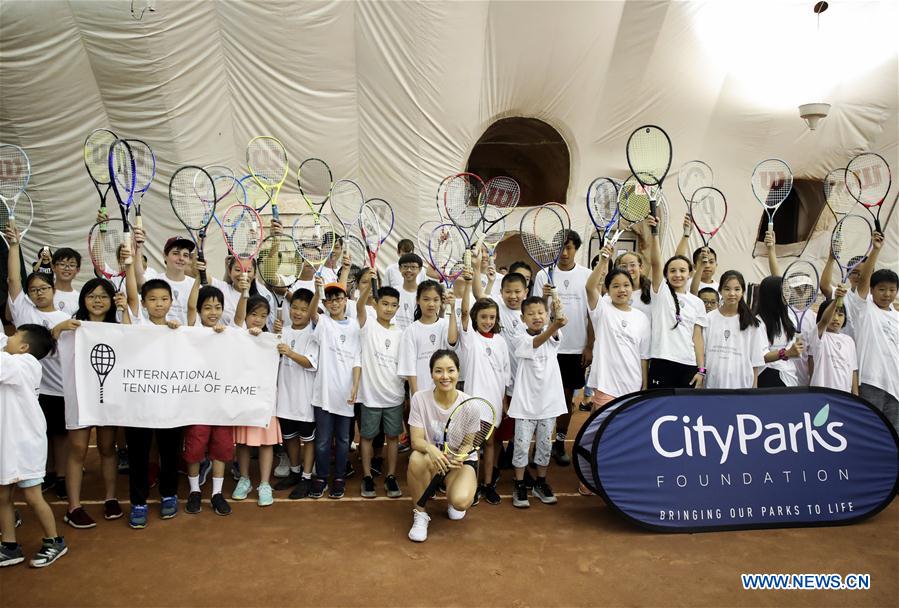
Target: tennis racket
point(491, 232)
point(315, 237)
point(708, 210)
point(633, 205)
point(799, 290)
point(850, 244)
point(461, 198)
point(868, 180)
point(422, 237)
point(447, 247)
point(193, 198)
point(497, 200)
point(242, 230)
point(346, 201)
point(441, 193)
point(144, 171)
point(104, 242)
point(96, 160)
point(268, 164)
point(772, 181)
point(375, 225)
point(692, 176)
point(469, 426)
point(315, 180)
point(543, 233)
point(19, 219)
point(123, 177)
point(602, 207)
point(15, 172)
point(836, 193)
point(279, 265)
point(649, 158)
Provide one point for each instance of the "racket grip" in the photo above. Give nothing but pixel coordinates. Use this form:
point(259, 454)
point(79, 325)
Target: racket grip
point(771, 225)
point(877, 224)
point(430, 490)
point(374, 286)
point(275, 215)
point(321, 291)
point(466, 260)
point(103, 212)
point(126, 242)
point(138, 220)
point(246, 291)
point(200, 258)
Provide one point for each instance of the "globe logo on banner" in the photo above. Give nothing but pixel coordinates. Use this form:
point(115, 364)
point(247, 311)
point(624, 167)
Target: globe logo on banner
point(684, 460)
point(102, 359)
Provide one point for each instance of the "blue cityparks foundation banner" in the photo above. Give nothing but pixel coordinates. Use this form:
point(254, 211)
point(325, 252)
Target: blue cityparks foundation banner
point(685, 460)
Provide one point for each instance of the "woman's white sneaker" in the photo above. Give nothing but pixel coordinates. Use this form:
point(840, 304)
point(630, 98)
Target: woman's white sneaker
point(419, 530)
point(453, 513)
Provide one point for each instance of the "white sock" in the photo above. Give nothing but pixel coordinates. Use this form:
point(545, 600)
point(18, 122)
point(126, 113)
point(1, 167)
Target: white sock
point(217, 483)
point(307, 475)
point(296, 469)
point(194, 483)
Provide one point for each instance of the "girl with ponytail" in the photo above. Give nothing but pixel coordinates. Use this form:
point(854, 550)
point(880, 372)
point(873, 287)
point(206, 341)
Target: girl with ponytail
point(734, 343)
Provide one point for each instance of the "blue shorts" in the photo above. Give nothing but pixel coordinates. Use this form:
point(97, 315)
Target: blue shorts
point(29, 483)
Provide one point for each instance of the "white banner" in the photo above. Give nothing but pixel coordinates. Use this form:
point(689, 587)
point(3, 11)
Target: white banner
point(156, 377)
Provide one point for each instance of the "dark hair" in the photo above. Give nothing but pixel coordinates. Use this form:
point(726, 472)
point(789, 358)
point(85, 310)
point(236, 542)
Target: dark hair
point(671, 289)
point(747, 319)
point(533, 300)
point(410, 258)
point(229, 263)
point(770, 308)
point(616, 272)
point(571, 236)
point(207, 292)
point(698, 252)
point(423, 287)
point(439, 354)
point(643, 284)
point(82, 315)
point(301, 295)
point(485, 304)
point(710, 290)
point(66, 253)
point(39, 339)
point(387, 292)
point(884, 275)
point(46, 277)
point(823, 309)
point(256, 302)
point(514, 277)
point(405, 246)
point(514, 266)
point(152, 284)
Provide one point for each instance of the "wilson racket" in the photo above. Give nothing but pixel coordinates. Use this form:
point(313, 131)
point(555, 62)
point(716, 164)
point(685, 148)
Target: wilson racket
point(346, 201)
point(315, 237)
point(602, 207)
point(144, 171)
point(242, 230)
point(15, 173)
point(649, 158)
point(868, 180)
point(799, 290)
point(469, 426)
point(268, 164)
point(850, 245)
point(193, 199)
point(543, 233)
point(497, 200)
point(772, 181)
point(708, 210)
point(461, 197)
point(315, 180)
point(422, 237)
point(279, 265)
point(491, 232)
point(104, 242)
point(836, 192)
point(375, 225)
point(441, 192)
point(19, 219)
point(692, 176)
point(447, 247)
point(97, 146)
point(123, 176)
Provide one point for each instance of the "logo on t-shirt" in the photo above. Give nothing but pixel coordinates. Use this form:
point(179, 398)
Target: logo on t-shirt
point(726, 334)
point(623, 322)
point(433, 338)
point(292, 344)
point(489, 351)
point(62, 305)
point(342, 338)
point(838, 345)
point(406, 306)
point(565, 283)
point(387, 343)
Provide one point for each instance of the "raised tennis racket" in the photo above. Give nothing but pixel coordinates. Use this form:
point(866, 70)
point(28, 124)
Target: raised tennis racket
point(279, 265)
point(315, 180)
point(692, 176)
point(375, 225)
point(708, 210)
point(15, 173)
point(447, 247)
point(123, 176)
point(543, 234)
point(96, 160)
point(423, 236)
point(497, 200)
point(242, 230)
point(836, 193)
point(799, 290)
point(441, 193)
point(868, 180)
point(144, 171)
point(469, 426)
point(461, 196)
point(602, 207)
point(772, 181)
point(850, 244)
point(491, 232)
point(315, 237)
point(193, 199)
point(649, 157)
point(104, 242)
point(633, 205)
point(19, 219)
point(268, 164)
point(346, 201)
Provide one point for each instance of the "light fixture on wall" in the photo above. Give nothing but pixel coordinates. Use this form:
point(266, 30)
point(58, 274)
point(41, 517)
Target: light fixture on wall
point(148, 5)
point(812, 113)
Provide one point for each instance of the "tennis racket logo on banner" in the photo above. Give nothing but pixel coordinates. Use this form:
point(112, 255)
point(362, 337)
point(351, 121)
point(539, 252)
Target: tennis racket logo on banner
point(102, 362)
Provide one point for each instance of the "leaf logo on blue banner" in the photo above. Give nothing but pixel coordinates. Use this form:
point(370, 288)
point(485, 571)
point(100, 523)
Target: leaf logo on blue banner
point(821, 416)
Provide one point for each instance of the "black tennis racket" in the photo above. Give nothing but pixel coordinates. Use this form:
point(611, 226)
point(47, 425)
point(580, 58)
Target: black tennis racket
point(96, 160)
point(193, 199)
point(868, 180)
point(649, 157)
point(850, 244)
point(145, 171)
point(123, 177)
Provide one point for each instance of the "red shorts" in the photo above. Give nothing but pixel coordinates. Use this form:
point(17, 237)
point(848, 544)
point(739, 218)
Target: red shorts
point(202, 439)
point(599, 399)
point(506, 430)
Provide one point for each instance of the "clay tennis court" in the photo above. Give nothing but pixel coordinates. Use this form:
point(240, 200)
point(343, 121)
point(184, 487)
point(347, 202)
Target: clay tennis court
point(354, 552)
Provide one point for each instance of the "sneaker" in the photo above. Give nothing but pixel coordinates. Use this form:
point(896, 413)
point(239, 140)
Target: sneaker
point(283, 468)
point(235, 471)
point(219, 505)
point(491, 495)
point(454, 514)
point(301, 490)
point(289, 481)
point(138, 517)
point(528, 480)
point(193, 503)
point(377, 465)
point(392, 487)
point(18, 517)
point(520, 496)
point(169, 507)
point(585, 405)
point(477, 495)
point(59, 488)
point(78, 518)
point(205, 468)
point(123, 465)
point(559, 455)
point(265, 495)
point(51, 551)
point(338, 489)
point(543, 492)
point(419, 530)
point(319, 487)
point(353, 446)
point(242, 490)
point(368, 487)
point(10, 556)
point(112, 509)
point(406, 446)
point(350, 470)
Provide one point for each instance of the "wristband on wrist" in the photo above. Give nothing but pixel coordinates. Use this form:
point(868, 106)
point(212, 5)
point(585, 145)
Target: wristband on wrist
point(782, 354)
point(701, 370)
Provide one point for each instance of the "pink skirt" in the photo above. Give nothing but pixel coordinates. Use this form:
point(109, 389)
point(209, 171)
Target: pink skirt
point(257, 435)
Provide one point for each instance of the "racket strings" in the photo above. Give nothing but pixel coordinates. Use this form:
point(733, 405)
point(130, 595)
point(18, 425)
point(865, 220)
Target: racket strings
point(633, 200)
point(772, 181)
point(850, 242)
point(279, 262)
point(15, 171)
point(501, 192)
point(96, 154)
point(315, 241)
point(122, 169)
point(708, 208)
point(22, 211)
point(315, 180)
point(800, 286)
point(543, 235)
point(346, 200)
point(257, 196)
point(868, 179)
point(267, 160)
point(192, 196)
point(460, 197)
point(649, 154)
point(692, 176)
point(446, 248)
point(469, 427)
point(602, 202)
point(104, 243)
point(836, 191)
point(144, 164)
point(242, 229)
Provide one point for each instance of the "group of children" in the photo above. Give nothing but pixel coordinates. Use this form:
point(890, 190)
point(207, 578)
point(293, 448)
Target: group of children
point(396, 361)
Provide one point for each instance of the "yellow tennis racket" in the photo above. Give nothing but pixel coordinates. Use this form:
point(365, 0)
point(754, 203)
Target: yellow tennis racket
point(268, 164)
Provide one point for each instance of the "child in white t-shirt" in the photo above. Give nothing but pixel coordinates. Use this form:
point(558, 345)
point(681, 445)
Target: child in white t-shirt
point(836, 363)
point(784, 344)
point(410, 269)
point(734, 344)
point(427, 334)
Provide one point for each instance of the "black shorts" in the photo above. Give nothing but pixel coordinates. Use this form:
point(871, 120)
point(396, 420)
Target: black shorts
point(572, 371)
point(291, 429)
point(770, 378)
point(54, 409)
point(670, 374)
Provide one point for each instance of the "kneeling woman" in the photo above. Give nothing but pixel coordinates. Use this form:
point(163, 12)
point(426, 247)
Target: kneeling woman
point(428, 412)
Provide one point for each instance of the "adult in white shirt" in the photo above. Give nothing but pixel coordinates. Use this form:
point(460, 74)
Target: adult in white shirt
point(177, 252)
point(393, 275)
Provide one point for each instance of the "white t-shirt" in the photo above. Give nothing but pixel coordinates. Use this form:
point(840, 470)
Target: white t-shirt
point(406, 310)
point(785, 369)
point(486, 370)
point(295, 382)
point(512, 325)
point(642, 306)
point(835, 361)
point(329, 275)
point(23, 429)
point(23, 311)
point(66, 301)
point(496, 290)
point(538, 384)
point(424, 413)
point(571, 285)
point(232, 298)
point(732, 354)
point(180, 294)
point(381, 386)
point(394, 278)
point(810, 337)
point(417, 344)
point(877, 341)
point(703, 285)
point(675, 343)
point(620, 346)
point(339, 352)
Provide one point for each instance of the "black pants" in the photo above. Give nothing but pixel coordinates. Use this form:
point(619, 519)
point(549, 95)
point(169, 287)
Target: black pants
point(669, 374)
point(139, 440)
point(770, 378)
